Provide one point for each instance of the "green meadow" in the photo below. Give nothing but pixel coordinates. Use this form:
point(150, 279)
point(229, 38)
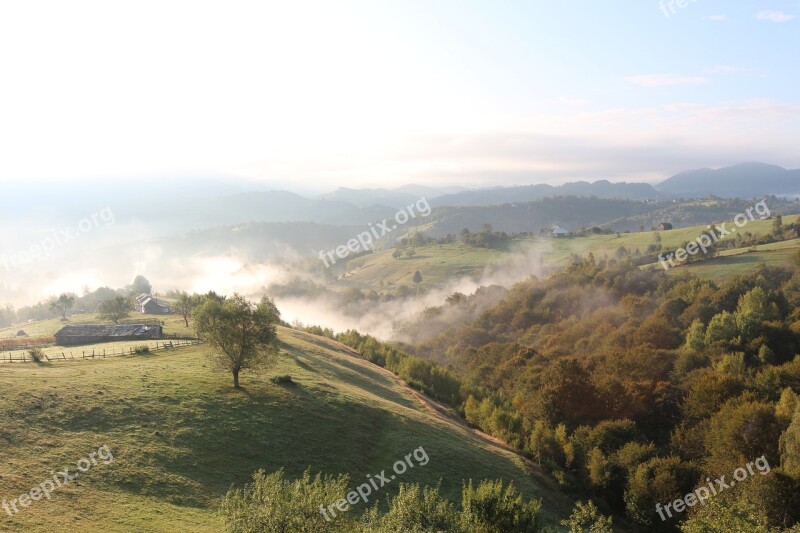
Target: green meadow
point(181, 435)
point(442, 263)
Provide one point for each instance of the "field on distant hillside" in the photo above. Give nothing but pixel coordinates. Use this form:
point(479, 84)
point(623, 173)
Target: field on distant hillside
point(442, 263)
point(181, 435)
point(741, 260)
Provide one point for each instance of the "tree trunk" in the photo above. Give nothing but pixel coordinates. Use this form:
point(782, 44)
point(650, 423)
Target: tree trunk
point(236, 378)
point(186, 319)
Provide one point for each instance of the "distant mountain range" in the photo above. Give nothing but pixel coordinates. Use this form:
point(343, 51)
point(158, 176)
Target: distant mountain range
point(396, 198)
point(603, 189)
point(176, 207)
point(747, 180)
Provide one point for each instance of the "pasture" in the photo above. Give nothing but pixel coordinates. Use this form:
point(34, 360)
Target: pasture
point(181, 435)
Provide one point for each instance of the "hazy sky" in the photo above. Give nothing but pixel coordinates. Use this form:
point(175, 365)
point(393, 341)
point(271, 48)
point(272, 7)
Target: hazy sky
point(384, 93)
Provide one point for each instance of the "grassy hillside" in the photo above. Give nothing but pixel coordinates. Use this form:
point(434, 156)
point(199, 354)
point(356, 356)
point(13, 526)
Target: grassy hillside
point(442, 263)
point(181, 435)
point(439, 263)
point(742, 260)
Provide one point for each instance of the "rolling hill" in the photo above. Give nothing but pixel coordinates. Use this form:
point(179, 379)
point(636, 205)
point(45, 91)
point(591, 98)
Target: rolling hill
point(440, 264)
point(180, 435)
point(746, 180)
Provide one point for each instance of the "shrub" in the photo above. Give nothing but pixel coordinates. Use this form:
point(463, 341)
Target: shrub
point(414, 508)
point(586, 517)
point(283, 380)
point(491, 507)
point(141, 349)
point(36, 354)
point(273, 503)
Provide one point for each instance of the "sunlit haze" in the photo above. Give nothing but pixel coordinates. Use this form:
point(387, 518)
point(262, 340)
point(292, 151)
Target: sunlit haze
point(301, 94)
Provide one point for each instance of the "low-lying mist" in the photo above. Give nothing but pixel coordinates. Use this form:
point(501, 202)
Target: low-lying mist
point(295, 282)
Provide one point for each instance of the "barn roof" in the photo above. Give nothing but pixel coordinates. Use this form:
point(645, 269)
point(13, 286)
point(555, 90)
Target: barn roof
point(103, 330)
point(149, 300)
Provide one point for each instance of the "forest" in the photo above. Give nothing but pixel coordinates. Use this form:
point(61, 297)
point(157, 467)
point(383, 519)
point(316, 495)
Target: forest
point(631, 387)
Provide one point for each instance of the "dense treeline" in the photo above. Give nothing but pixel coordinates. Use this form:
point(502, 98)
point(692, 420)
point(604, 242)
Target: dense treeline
point(633, 387)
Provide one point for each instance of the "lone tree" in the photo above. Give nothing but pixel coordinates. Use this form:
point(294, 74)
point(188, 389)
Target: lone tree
point(115, 309)
point(140, 285)
point(417, 277)
point(63, 304)
point(241, 334)
point(185, 304)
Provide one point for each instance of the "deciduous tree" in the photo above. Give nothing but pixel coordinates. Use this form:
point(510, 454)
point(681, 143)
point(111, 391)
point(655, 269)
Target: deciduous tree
point(241, 334)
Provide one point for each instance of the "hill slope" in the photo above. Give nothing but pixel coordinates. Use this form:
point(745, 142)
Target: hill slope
point(441, 264)
point(746, 180)
point(181, 435)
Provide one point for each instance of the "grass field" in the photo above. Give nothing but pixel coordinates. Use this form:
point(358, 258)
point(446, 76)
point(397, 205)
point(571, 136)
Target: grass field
point(181, 435)
point(438, 263)
point(444, 263)
point(742, 260)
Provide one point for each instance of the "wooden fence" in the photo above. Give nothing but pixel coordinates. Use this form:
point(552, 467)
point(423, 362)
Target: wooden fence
point(25, 357)
point(12, 345)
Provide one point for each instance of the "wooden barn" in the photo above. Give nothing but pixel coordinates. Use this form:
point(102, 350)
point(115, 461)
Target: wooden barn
point(90, 333)
point(665, 226)
point(148, 305)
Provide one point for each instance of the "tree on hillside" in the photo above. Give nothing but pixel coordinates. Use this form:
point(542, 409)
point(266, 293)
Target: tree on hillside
point(777, 226)
point(185, 304)
point(417, 277)
point(241, 334)
point(115, 309)
point(140, 285)
point(63, 304)
point(790, 446)
point(457, 298)
point(587, 517)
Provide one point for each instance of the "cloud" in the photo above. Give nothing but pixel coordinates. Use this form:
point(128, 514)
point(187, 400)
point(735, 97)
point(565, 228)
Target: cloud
point(774, 16)
point(716, 18)
point(630, 144)
point(665, 80)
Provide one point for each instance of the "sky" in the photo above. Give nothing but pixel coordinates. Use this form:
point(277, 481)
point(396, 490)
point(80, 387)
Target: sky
point(319, 94)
